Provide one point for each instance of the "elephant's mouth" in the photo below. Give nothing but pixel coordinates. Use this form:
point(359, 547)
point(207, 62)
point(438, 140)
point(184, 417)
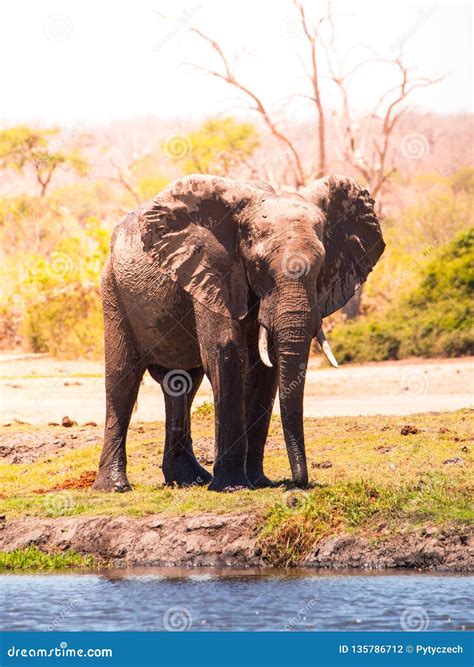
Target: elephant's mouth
point(263, 347)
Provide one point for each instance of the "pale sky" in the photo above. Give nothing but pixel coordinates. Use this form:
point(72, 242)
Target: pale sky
point(70, 61)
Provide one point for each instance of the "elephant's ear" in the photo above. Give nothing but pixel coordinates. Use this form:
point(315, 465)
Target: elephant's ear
point(352, 239)
point(190, 233)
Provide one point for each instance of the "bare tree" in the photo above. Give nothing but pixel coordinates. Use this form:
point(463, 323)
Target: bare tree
point(256, 103)
point(122, 171)
point(125, 178)
point(365, 141)
point(312, 35)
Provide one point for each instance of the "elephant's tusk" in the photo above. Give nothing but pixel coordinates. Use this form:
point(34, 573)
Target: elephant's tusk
point(326, 349)
point(263, 346)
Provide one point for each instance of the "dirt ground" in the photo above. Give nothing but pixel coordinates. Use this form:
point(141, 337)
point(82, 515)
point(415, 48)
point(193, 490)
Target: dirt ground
point(38, 389)
point(418, 469)
point(231, 540)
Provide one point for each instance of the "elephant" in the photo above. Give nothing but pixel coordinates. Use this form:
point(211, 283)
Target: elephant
point(230, 279)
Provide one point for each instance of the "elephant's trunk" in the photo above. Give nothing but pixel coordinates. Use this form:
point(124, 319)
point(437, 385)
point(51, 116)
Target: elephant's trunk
point(292, 351)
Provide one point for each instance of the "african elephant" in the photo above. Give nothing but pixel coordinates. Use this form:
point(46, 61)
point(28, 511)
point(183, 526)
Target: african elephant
point(230, 279)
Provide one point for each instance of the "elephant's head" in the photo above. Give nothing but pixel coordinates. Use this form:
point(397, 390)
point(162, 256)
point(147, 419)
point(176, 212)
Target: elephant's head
point(303, 257)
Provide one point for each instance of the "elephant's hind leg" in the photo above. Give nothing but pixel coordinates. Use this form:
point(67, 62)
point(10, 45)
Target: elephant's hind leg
point(123, 373)
point(180, 465)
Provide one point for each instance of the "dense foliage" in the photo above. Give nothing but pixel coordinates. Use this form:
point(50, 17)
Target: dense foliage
point(219, 146)
point(22, 147)
point(433, 318)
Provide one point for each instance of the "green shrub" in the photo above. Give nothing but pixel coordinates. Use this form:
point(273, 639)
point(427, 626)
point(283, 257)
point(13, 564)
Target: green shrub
point(294, 525)
point(463, 180)
point(412, 240)
point(433, 319)
point(218, 146)
point(58, 295)
point(149, 187)
point(32, 558)
point(206, 409)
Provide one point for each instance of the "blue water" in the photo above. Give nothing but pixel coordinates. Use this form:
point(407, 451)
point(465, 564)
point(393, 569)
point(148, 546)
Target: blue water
point(163, 599)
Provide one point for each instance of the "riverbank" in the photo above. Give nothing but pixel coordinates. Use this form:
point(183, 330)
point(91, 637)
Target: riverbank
point(234, 540)
point(384, 492)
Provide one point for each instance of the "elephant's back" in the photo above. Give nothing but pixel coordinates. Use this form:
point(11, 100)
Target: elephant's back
point(136, 273)
point(152, 301)
point(130, 265)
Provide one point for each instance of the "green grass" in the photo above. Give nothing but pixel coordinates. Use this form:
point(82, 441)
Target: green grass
point(296, 522)
point(350, 444)
point(433, 319)
point(34, 559)
point(206, 409)
point(371, 473)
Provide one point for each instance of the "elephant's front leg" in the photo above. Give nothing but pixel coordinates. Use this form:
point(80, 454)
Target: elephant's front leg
point(261, 388)
point(224, 356)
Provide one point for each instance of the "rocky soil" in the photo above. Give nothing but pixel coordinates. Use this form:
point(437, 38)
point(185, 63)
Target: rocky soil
point(229, 540)
point(19, 447)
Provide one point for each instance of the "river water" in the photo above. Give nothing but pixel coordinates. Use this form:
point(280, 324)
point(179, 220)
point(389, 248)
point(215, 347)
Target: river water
point(175, 599)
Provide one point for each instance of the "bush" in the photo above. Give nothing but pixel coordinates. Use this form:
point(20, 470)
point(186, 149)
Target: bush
point(433, 319)
point(31, 558)
point(149, 187)
point(295, 525)
point(463, 180)
point(413, 239)
point(57, 304)
point(219, 146)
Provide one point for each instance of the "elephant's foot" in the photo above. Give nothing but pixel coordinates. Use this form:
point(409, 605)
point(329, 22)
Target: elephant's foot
point(185, 470)
point(112, 480)
point(229, 480)
point(259, 480)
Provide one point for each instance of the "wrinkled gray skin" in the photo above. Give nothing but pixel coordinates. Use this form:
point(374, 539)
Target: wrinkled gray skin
point(191, 277)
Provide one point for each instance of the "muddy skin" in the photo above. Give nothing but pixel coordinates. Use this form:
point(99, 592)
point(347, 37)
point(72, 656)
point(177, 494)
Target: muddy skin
point(191, 278)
